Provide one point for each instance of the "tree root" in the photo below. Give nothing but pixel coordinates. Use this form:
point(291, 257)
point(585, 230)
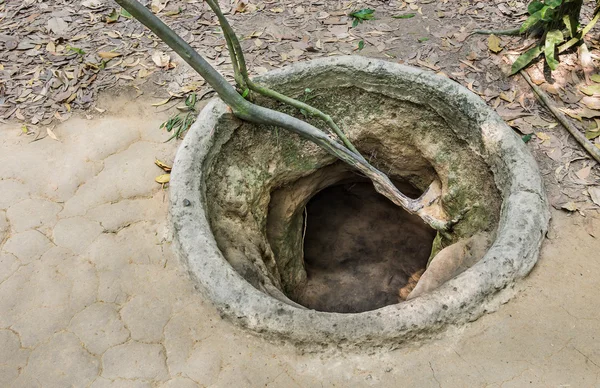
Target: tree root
point(428, 206)
point(580, 137)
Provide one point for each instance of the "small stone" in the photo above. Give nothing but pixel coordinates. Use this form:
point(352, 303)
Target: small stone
point(186, 202)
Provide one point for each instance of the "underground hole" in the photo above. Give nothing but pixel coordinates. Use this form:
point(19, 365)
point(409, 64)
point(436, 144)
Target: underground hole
point(239, 191)
point(359, 249)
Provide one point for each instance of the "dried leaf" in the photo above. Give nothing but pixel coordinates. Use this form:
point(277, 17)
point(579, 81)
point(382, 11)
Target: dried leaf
point(161, 59)
point(158, 5)
point(108, 54)
point(570, 206)
point(163, 165)
point(51, 134)
point(584, 173)
point(542, 136)
point(162, 179)
point(93, 4)
point(57, 25)
point(163, 102)
point(590, 90)
point(494, 44)
point(594, 192)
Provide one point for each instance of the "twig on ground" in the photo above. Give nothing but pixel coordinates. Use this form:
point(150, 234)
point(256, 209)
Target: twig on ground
point(580, 137)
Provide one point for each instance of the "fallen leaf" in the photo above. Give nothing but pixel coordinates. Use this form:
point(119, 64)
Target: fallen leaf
point(57, 25)
point(590, 90)
point(93, 4)
point(542, 136)
point(113, 16)
point(158, 5)
point(161, 59)
point(108, 54)
point(594, 192)
point(584, 173)
point(162, 165)
point(570, 206)
point(163, 102)
point(591, 102)
point(494, 44)
point(162, 179)
point(51, 134)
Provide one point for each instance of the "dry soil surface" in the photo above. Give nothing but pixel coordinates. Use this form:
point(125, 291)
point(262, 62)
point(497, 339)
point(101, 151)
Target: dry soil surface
point(91, 294)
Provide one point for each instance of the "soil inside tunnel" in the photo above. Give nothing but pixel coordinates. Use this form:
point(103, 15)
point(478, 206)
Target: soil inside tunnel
point(360, 249)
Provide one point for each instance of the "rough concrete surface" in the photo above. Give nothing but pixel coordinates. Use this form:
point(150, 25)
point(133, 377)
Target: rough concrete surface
point(92, 296)
point(218, 199)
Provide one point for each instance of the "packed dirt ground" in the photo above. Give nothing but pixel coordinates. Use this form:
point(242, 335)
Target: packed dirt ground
point(90, 291)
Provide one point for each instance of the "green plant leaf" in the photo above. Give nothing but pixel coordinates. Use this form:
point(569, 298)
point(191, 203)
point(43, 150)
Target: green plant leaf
point(76, 50)
point(526, 58)
point(361, 45)
point(553, 38)
point(245, 93)
point(424, 39)
point(595, 77)
point(526, 138)
point(547, 14)
point(190, 101)
point(534, 6)
point(404, 16)
point(571, 24)
point(355, 22)
point(554, 3)
point(363, 14)
point(125, 14)
point(531, 21)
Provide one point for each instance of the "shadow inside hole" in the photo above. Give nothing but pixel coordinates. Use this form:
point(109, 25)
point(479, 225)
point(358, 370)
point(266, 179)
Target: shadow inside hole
point(360, 249)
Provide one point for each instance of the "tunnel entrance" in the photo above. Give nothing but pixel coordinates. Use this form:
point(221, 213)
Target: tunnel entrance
point(360, 249)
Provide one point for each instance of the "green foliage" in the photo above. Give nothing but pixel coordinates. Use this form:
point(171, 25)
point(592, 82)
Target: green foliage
point(180, 123)
point(362, 15)
point(556, 21)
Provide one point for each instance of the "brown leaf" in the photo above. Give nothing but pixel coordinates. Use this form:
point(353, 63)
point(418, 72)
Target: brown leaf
point(494, 44)
point(108, 54)
point(594, 192)
point(51, 134)
point(161, 59)
point(162, 165)
point(584, 173)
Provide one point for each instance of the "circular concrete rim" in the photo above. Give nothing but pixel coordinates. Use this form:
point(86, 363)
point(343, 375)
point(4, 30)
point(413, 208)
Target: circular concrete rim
point(523, 222)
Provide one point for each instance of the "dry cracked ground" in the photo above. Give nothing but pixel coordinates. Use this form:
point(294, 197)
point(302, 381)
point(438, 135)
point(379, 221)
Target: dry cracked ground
point(91, 294)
